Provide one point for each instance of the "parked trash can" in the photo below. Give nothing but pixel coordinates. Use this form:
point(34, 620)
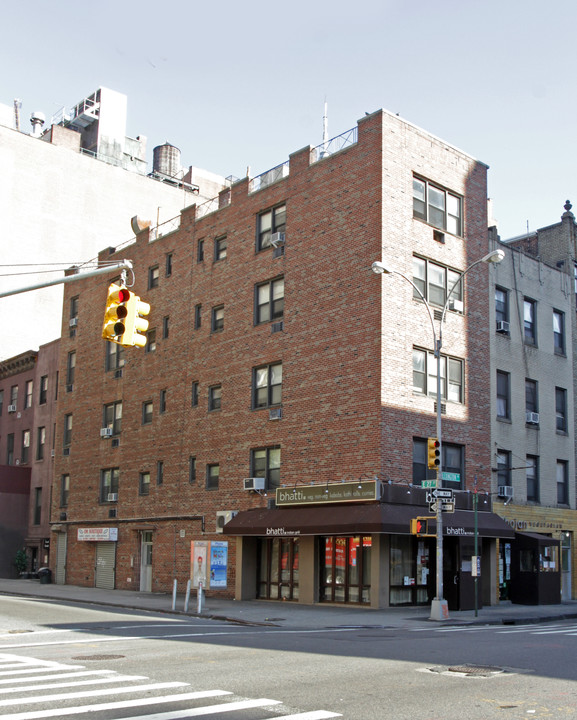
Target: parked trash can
point(45, 575)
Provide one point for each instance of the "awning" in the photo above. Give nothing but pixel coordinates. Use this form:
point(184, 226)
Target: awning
point(358, 520)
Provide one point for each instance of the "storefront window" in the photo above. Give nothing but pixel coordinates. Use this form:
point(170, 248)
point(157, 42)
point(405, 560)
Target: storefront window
point(346, 569)
point(549, 559)
point(278, 572)
point(410, 571)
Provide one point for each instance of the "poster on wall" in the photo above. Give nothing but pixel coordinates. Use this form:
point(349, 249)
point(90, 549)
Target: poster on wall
point(218, 563)
point(198, 562)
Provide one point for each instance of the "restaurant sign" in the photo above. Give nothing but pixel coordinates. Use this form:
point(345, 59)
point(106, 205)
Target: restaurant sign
point(361, 491)
point(98, 534)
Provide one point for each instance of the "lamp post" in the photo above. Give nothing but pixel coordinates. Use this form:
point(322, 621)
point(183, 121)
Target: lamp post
point(439, 609)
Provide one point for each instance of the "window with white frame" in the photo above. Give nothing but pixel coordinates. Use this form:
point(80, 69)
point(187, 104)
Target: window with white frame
point(436, 281)
point(425, 375)
point(437, 207)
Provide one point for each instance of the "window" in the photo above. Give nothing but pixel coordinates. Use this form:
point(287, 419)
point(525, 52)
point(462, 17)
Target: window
point(64, 490)
point(530, 321)
point(267, 385)
point(67, 436)
point(559, 332)
point(562, 482)
point(109, 485)
point(114, 356)
point(159, 472)
point(70, 369)
point(200, 251)
point(269, 222)
point(269, 301)
point(165, 327)
point(162, 402)
point(212, 476)
point(40, 442)
point(14, 395)
point(144, 483)
point(265, 462)
point(561, 409)
point(425, 376)
point(220, 248)
point(453, 465)
point(112, 417)
point(150, 341)
point(214, 397)
point(420, 464)
point(197, 316)
point(501, 305)
point(29, 393)
point(10, 449)
point(147, 412)
point(217, 319)
point(25, 446)
point(440, 208)
point(532, 470)
point(503, 395)
point(531, 399)
point(191, 469)
point(194, 393)
point(435, 282)
point(503, 468)
point(153, 277)
point(168, 264)
point(37, 506)
point(73, 321)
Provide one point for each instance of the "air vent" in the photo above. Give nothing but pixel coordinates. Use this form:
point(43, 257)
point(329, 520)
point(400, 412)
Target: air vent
point(69, 388)
point(66, 451)
point(277, 327)
point(115, 442)
point(278, 251)
point(63, 516)
point(112, 513)
point(275, 413)
point(118, 373)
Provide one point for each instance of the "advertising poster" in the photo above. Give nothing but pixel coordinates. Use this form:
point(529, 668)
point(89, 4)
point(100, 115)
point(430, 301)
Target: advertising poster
point(218, 564)
point(198, 562)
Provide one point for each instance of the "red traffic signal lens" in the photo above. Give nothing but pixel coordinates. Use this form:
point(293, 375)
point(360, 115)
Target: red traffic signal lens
point(123, 295)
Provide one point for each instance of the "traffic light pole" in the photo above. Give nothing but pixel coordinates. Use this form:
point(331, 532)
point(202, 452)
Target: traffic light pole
point(123, 265)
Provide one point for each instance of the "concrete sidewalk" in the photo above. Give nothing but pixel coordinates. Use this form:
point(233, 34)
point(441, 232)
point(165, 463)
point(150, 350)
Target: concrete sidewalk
point(287, 614)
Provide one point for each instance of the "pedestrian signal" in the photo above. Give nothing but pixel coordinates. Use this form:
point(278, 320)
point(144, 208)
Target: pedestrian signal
point(420, 526)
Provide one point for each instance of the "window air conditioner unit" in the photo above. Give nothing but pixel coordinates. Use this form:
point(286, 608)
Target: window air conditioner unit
point(532, 418)
point(254, 483)
point(222, 517)
point(277, 239)
point(11, 408)
point(105, 432)
point(503, 327)
point(73, 322)
point(275, 413)
point(112, 497)
point(456, 305)
point(505, 491)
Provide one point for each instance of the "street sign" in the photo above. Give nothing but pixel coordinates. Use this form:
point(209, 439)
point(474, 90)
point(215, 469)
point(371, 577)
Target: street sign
point(429, 483)
point(438, 493)
point(451, 477)
point(446, 506)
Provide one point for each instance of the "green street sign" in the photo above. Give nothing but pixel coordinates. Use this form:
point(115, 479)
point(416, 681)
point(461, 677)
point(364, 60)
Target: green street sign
point(429, 483)
point(451, 477)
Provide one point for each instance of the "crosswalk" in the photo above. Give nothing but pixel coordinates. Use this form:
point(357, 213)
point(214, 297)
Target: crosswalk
point(569, 629)
point(33, 689)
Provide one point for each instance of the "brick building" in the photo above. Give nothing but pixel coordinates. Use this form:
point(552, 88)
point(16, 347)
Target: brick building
point(285, 391)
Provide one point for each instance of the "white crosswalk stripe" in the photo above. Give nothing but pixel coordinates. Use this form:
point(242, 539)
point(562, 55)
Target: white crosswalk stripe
point(530, 629)
point(28, 676)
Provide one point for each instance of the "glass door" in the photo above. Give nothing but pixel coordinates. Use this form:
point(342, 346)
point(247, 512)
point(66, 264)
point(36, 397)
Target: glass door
point(346, 569)
point(278, 571)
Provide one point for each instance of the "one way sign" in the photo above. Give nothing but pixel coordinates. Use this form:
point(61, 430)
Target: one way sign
point(438, 494)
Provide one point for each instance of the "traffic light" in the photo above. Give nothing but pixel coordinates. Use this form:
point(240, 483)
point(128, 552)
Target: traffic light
point(135, 324)
point(115, 313)
point(433, 453)
point(420, 526)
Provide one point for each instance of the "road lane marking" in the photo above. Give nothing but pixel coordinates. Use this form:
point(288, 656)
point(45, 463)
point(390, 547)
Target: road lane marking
point(73, 683)
point(36, 678)
point(314, 715)
point(209, 710)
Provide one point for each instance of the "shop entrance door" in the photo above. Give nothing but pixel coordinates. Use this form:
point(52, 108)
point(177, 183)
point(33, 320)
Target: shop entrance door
point(346, 569)
point(566, 566)
point(278, 571)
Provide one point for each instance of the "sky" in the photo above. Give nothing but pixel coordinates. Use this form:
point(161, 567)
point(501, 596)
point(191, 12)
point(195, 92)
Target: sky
point(242, 85)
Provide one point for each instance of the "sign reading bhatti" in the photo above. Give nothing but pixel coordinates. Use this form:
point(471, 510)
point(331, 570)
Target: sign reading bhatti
point(361, 491)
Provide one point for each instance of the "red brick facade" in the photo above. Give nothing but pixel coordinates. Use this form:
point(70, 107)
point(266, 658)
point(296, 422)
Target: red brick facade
point(348, 405)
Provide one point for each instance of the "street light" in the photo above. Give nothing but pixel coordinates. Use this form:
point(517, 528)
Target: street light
point(439, 609)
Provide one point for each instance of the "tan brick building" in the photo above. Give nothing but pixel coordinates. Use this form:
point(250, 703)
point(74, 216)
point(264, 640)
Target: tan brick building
point(282, 375)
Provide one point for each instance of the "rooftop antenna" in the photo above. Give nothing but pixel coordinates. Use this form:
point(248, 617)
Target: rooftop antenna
point(17, 106)
point(324, 151)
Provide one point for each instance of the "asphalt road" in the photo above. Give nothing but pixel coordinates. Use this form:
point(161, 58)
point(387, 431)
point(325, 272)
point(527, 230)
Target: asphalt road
point(59, 660)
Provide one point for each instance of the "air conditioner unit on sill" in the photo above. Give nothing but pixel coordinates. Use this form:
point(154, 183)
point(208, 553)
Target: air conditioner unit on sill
point(503, 327)
point(256, 483)
point(532, 418)
point(105, 432)
point(505, 491)
point(112, 497)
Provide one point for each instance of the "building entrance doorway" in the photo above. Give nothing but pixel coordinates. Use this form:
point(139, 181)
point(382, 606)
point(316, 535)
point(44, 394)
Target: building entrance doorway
point(566, 566)
point(146, 562)
point(278, 569)
point(346, 569)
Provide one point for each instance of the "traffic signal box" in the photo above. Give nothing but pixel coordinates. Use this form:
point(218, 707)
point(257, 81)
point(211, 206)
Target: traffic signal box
point(123, 323)
point(433, 453)
point(420, 526)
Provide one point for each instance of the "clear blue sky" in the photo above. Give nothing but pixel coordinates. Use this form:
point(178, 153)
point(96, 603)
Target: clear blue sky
point(237, 84)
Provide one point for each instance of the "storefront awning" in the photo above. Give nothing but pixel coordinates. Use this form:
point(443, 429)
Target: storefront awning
point(358, 520)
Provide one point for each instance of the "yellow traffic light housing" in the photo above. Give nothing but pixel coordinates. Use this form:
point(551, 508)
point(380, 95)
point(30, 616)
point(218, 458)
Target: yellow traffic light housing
point(115, 313)
point(123, 323)
point(433, 453)
point(420, 526)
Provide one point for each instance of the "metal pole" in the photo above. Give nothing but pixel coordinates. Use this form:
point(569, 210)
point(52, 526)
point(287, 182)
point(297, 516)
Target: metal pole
point(475, 503)
point(187, 596)
point(174, 595)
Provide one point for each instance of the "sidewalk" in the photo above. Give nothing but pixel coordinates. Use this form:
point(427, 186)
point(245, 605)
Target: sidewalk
point(288, 614)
